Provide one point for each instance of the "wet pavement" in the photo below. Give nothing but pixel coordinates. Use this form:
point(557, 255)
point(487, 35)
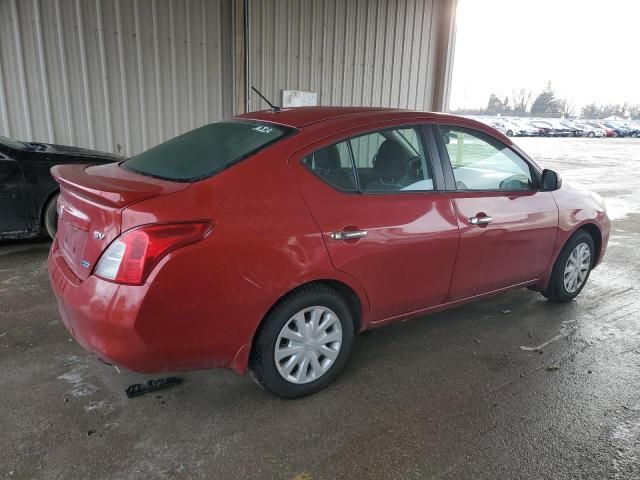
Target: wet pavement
point(453, 395)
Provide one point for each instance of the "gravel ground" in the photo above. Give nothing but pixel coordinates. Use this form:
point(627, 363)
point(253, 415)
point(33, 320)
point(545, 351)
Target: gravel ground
point(453, 395)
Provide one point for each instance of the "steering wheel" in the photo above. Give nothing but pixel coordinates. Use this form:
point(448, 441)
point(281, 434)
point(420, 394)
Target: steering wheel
point(514, 182)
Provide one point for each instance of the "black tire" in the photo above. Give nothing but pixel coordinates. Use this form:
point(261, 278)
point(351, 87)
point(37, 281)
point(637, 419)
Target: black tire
point(592, 134)
point(556, 291)
point(50, 218)
point(262, 364)
point(509, 133)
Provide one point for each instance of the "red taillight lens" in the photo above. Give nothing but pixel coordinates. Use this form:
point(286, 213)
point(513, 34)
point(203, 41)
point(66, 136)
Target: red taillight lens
point(130, 258)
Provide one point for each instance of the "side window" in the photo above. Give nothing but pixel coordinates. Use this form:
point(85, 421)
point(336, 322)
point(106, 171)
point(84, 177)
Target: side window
point(482, 163)
point(333, 165)
point(391, 161)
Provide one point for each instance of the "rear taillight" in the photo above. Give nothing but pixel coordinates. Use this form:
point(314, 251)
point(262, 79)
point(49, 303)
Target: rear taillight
point(130, 257)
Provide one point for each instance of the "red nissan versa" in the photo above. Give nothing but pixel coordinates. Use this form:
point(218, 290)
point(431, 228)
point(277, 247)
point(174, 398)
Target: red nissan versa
point(264, 242)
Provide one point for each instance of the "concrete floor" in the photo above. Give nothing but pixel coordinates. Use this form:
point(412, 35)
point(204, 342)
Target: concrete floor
point(453, 395)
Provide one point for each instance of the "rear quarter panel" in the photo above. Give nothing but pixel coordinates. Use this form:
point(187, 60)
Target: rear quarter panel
point(264, 243)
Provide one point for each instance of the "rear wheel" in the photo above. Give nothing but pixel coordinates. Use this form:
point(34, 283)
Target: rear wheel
point(509, 133)
point(572, 268)
point(592, 134)
point(50, 221)
point(303, 343)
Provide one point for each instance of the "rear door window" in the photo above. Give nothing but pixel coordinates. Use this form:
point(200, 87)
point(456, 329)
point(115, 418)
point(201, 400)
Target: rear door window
point(384, 161)
point(391, 161)
point(205, 151)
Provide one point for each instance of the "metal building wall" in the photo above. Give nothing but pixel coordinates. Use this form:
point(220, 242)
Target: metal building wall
point(353, 52)
point(116, 75)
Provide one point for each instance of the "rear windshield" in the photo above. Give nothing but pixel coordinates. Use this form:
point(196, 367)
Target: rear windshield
point(205, 151)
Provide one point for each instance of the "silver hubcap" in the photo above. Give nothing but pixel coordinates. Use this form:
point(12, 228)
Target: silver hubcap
point(308, 345)
point(577, 267)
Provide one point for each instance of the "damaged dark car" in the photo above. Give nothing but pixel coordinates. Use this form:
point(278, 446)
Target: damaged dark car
point(28, 192)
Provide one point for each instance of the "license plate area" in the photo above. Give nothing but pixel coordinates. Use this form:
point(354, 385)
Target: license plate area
point(73, 230)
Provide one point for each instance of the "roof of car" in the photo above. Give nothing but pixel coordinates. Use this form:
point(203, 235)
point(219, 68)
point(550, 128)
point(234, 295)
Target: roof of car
point(299, 117)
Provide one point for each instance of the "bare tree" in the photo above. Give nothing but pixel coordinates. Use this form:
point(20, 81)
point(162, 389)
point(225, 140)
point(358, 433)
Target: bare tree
point(566, 106)
point(521, 99)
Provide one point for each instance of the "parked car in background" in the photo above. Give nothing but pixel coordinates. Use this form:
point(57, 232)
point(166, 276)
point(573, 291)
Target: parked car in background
point(590, 131)
point(509, 128)
point(28, 192)
point(634, 130)
point(609, 132)
point(499, 126)
point(265, 242)
point(560, 129)
point(524, 129)
point(628, 129)
point(574, 130)
point(545, 130)
point(618, 130)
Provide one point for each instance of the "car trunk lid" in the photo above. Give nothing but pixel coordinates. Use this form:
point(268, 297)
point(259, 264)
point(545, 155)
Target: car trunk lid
point(90, 206)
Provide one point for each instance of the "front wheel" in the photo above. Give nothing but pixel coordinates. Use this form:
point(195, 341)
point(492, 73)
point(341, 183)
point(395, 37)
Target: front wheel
point(592, 134)
point(572, 268)
point(303, 343)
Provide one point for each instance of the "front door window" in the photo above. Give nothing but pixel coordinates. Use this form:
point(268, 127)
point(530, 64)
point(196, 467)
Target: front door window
point(481, 162)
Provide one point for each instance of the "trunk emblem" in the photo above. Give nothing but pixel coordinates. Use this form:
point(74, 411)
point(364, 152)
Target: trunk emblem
point(98, 235)
point(85, 264)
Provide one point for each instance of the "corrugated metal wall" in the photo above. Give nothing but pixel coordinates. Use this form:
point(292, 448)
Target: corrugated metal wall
point(124, 75)
point(116, 75)
point(353, 52)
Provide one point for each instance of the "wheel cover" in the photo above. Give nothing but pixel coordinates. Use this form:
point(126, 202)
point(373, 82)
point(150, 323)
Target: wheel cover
point(308, 345)
point(577, 267)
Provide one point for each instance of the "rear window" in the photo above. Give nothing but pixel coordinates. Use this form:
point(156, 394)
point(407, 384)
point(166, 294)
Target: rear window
point(205, 151)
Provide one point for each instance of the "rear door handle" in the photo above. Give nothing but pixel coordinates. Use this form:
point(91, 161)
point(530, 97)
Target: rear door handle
point(484, 220)
point(348, 234)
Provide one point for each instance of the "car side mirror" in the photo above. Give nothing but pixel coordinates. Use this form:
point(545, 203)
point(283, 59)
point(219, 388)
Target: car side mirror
point(550, 180)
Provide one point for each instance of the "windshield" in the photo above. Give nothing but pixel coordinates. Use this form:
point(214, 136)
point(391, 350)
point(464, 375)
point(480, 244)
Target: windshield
point(205, 151)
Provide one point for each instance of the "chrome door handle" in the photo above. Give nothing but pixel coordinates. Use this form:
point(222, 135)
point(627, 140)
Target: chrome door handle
point(480, 220)
point(348, 235)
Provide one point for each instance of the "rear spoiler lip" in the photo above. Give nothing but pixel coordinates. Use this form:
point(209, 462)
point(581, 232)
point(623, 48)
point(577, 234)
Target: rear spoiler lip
point(66, 178)
point(108, 191)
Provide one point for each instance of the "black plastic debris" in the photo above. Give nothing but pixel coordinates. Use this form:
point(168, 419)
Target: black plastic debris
point(138, 389)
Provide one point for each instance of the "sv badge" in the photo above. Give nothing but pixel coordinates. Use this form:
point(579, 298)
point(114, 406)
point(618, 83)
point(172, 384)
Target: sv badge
point(98, 235)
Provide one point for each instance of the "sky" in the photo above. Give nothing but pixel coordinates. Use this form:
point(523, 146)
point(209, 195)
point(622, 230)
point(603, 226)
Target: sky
point(588, 49)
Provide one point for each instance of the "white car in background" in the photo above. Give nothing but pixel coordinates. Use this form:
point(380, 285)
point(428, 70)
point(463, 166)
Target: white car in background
point(509, 128)
point(525, 129)
point(590, 131)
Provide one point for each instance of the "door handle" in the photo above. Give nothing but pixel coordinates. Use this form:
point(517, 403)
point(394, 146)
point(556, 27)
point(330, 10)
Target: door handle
point(348, 234)
point(480, 220)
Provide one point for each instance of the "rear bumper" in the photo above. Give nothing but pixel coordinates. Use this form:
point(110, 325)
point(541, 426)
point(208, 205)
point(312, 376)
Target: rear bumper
point(124, 325)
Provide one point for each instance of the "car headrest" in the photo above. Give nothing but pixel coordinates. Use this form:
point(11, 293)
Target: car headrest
point(391, 161)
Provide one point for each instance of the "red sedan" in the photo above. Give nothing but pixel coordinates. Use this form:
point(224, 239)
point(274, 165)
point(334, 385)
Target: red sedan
point(265, 242)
